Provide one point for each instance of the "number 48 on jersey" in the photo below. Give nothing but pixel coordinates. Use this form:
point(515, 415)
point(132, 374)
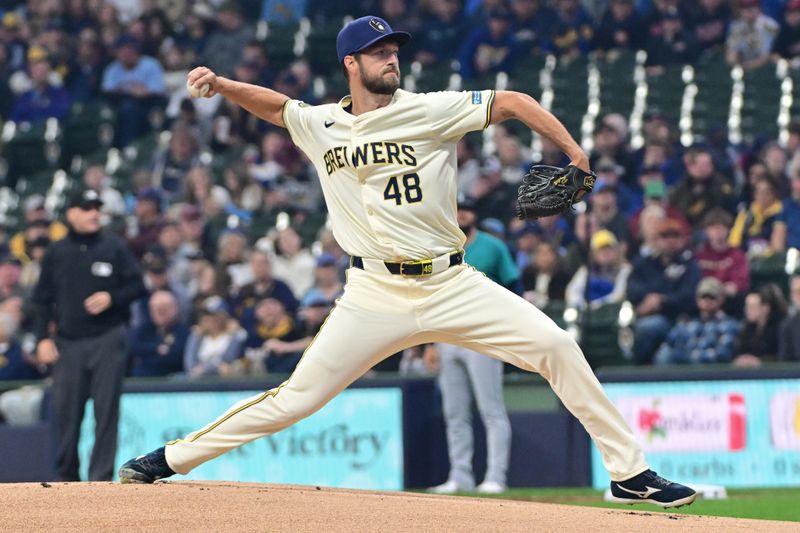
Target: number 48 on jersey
point(409, 183)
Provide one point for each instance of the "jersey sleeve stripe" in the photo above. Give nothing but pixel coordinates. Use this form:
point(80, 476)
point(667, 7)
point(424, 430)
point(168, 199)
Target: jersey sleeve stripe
point(283, 112)
point(489, 110)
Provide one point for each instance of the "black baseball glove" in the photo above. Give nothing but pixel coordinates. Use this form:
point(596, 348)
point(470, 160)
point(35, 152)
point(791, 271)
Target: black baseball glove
point(547, 190)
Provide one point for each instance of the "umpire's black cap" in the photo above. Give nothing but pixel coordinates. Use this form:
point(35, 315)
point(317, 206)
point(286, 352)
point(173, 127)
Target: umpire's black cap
point(85, 198)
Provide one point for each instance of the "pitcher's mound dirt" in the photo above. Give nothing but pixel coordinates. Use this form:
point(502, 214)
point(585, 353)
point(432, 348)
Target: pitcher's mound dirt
point(207, 506)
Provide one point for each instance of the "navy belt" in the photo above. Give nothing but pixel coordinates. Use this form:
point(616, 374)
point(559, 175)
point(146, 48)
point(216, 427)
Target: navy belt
point(422, 267)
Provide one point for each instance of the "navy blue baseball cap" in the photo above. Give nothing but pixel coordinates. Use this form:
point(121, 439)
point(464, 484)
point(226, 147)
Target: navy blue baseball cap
point(364, 32)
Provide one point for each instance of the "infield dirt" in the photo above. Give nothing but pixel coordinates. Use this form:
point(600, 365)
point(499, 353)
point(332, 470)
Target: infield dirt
point(215, 506)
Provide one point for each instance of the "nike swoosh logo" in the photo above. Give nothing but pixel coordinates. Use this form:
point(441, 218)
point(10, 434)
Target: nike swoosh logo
point(644, 494)
point(329, 124)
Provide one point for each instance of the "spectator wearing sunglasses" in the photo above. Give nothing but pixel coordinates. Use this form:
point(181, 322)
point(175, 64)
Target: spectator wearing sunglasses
point(708, 338)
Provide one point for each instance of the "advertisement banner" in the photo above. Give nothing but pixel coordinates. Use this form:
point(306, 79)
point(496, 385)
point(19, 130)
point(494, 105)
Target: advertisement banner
point(784, 417)
point(355, 441)
point(743, 433)
point(691, 423)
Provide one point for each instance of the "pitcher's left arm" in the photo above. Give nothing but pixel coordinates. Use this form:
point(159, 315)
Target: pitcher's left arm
point(525, 108)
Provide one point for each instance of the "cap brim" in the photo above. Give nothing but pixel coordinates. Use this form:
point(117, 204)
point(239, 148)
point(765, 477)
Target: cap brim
point(402, 37)
point(93, 203)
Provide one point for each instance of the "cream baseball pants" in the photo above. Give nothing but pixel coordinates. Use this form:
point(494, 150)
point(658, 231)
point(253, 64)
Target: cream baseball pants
point(379, 315)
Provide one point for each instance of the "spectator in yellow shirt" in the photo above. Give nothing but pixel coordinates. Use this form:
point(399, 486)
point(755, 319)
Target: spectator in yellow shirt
point(752, 230)
point(37, 224)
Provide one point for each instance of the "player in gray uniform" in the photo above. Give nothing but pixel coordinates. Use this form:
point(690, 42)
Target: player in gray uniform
point(464, 373)
point(386, 160)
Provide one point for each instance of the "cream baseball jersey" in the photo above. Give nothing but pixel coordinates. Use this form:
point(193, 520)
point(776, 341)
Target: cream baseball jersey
point(389, 175)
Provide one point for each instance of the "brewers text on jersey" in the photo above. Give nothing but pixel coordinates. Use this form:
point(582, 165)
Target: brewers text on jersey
point(373, 153)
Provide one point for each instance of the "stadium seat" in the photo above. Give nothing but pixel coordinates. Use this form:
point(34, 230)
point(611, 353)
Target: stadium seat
point(319, 49)
point(600, 336)
point(222, 160)
point(261, 224)
point(80, 163)
point(336, 87)
point(769, 269)
point(570, 90)
point(132, 158)
point(434, 78)
point(480, 83)
point(30, 149)
point(527, 75)
point(712, 103)
point(88, 129)
point(9, 205)
point(308, 225)
point(665, 92)
point(794, 74)
point(617, 85)
point(279, 45)
point(37, 183)
point(762, 96)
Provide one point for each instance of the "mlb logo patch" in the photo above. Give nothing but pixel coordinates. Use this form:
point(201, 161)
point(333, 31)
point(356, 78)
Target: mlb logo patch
point(476, 97)
point(102, 269)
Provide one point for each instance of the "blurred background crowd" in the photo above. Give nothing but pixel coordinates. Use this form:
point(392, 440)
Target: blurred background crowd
point(684, 254)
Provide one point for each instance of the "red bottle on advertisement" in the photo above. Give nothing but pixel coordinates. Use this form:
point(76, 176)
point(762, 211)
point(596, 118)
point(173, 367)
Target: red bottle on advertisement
point(738, 422)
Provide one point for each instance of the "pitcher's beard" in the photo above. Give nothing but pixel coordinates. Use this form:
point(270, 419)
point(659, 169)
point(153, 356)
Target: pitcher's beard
point(379, 85)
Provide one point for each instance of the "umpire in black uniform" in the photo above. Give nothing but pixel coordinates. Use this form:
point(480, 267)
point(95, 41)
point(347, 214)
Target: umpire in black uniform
point(87, 283)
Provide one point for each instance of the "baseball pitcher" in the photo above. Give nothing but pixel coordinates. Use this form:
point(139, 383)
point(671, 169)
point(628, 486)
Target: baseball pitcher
point(386, 159)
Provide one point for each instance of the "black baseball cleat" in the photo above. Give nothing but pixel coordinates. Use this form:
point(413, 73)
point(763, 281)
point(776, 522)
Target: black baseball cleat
point(146, 468)
point(649, 487)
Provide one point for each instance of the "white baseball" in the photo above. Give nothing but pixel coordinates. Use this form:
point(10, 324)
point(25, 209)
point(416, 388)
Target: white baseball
point(197, 92)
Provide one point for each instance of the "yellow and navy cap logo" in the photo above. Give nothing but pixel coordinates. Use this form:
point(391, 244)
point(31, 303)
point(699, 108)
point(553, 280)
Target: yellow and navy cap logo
point(377, 25)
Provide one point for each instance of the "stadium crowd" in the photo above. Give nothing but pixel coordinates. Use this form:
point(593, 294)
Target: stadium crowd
point(240, 267)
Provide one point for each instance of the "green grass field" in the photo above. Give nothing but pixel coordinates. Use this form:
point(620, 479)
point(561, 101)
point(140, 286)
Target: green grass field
point(765, 504)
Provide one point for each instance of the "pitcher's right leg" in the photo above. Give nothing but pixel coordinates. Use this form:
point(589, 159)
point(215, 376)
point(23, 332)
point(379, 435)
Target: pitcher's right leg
point(330, 364)
point(369, 323)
